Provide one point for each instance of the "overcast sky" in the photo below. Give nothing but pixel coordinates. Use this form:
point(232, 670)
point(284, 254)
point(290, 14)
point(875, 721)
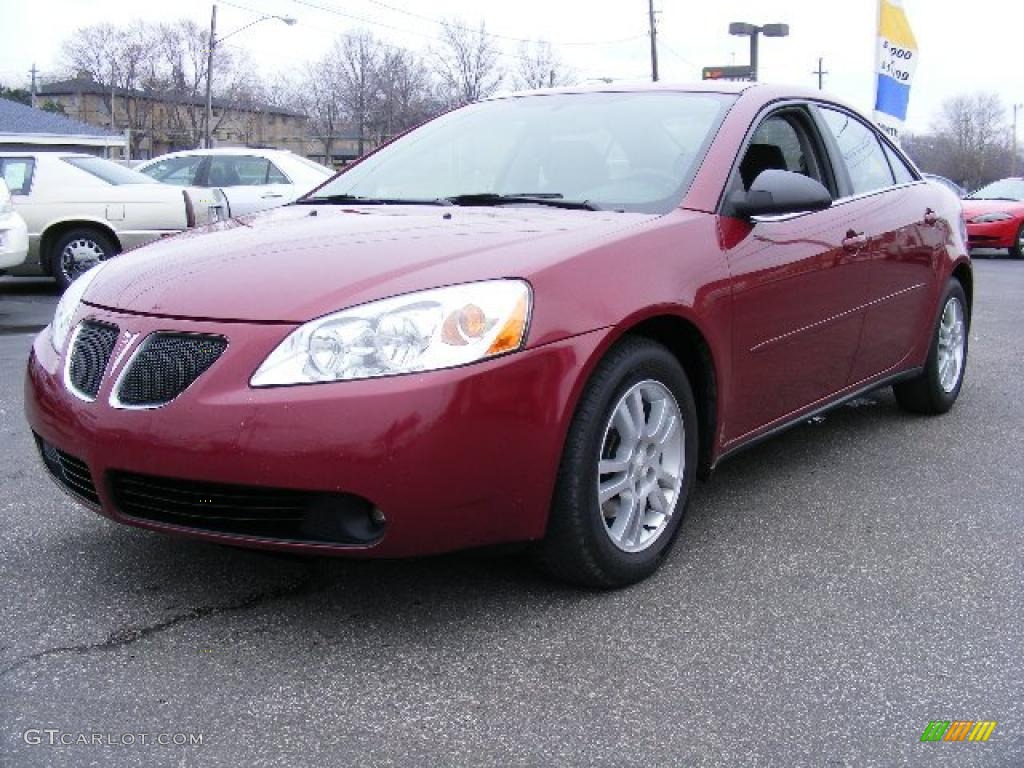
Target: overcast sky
point(963, 46)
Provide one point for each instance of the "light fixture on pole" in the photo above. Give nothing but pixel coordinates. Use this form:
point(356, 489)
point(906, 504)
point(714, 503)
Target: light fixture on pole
point(214, 42)
point(753, 31)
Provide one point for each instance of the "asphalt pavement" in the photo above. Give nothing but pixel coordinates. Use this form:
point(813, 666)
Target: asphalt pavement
point(832, 591)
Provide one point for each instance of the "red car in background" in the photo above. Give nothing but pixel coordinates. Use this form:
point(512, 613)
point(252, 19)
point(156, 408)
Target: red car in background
point(537, 318)
point(995, 216)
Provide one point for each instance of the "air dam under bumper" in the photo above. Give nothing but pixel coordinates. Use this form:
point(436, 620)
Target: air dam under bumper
point(454, 459)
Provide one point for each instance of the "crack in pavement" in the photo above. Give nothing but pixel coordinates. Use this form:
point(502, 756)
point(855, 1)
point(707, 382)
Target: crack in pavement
point(123, 636)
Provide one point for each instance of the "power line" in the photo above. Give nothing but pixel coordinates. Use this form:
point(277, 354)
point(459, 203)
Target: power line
point(442, 23)
point(513, 38)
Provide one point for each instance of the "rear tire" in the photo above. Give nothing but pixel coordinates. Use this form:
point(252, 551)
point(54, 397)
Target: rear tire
point(635, 434)
point(77, 251)
point(936, 388)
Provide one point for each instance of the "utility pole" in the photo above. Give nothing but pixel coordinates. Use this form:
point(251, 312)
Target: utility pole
point(209, 79)
point(1013, 160)
point(820, 72)
point(654, 41)
point(113, 122)
point(33, 71)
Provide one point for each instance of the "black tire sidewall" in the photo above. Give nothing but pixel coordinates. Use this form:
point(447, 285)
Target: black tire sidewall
point(81, 233)
point(1016, 252)
point(632, 362)
point(944, 400)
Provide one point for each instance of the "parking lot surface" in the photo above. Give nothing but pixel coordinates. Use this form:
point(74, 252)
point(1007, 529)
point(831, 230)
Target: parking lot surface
point(832, 591)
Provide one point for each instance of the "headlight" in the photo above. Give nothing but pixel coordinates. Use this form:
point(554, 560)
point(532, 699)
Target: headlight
point(988, 218)
point(60, 326)
point(424, 331)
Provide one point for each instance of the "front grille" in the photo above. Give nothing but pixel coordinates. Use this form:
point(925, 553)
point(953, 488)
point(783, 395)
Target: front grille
point(70, 472)
point(165, 365)
point(241, 510)
point(94, 343)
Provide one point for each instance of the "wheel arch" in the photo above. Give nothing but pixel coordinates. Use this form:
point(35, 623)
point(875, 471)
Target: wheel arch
point(963, 273)
point(53, 231)
point(682, 336)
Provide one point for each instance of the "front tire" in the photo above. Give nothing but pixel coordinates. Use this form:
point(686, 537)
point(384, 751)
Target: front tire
point(937, 387)
point(1017, 250)
point(77, 251)
point(627, 470)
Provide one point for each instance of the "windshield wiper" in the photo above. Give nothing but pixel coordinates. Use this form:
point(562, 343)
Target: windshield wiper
point(359, 200)
point(1010, 199)
point(553, 199)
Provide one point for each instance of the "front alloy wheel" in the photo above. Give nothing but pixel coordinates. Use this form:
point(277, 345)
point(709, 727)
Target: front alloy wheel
point(640, 472)
point(627, 469)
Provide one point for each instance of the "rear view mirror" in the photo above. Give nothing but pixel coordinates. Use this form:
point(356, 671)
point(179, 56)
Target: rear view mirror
point(777, 192)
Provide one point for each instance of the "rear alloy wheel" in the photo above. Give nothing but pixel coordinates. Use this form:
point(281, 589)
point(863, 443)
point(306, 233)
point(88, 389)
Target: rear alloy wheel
point(1017, 251)
point(77, 251)
point(936, 388)
point(627, 471)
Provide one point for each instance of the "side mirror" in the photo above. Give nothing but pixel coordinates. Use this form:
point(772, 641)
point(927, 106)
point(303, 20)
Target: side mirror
point(779, 192)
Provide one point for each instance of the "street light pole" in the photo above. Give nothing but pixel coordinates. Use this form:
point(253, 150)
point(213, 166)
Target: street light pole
point(1013, 160)
point(753, 31)
point(209, 78)
point(654, 42)
point(214, 40)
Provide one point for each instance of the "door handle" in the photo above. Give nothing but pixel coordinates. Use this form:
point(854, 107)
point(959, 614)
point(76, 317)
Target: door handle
point(272, 194)
point(931, 218)
point(854, 241)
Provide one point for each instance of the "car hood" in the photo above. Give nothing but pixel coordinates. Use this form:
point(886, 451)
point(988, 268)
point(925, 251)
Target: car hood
point(299, 262)
point(977, 207)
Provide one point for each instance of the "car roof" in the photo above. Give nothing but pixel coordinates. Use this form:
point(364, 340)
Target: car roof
point(765, 93)
point(227, 151)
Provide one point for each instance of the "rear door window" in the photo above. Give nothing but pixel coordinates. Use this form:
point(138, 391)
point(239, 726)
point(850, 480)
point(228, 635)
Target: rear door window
point(860, 150)
point(240, 171)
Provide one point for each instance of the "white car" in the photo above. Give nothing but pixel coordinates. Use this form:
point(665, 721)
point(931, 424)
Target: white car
point(81, 209)
point(13, 232)
point(252, 179)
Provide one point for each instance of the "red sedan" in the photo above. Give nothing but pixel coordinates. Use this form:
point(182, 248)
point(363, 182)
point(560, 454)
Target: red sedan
point(995, 216)
point(537, 318)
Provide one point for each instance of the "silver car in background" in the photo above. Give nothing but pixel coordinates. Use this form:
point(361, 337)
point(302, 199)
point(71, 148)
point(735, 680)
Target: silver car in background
point(252, 179)
point(81, 209)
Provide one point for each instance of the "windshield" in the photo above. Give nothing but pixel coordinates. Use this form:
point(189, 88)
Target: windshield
point(1004, 189)
point(112, 173)
point(619, 151)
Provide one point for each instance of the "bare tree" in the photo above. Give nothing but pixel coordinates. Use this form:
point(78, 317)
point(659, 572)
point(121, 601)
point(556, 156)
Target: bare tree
point(971, 139)
point(405, 96)
point(467, 64)
point(124, 60)
point(356, 59)
point(314, 92)
point(540, 67)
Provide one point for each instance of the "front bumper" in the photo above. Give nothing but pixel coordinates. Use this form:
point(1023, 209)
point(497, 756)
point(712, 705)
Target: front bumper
point(454, 459)
point(995, 234)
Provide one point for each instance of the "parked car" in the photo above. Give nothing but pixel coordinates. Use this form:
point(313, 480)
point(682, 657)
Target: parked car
point(951, 185)
point(13, 232)
point(252, 179)
point(81, 209)
point(995, 216)
point(535, 318)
